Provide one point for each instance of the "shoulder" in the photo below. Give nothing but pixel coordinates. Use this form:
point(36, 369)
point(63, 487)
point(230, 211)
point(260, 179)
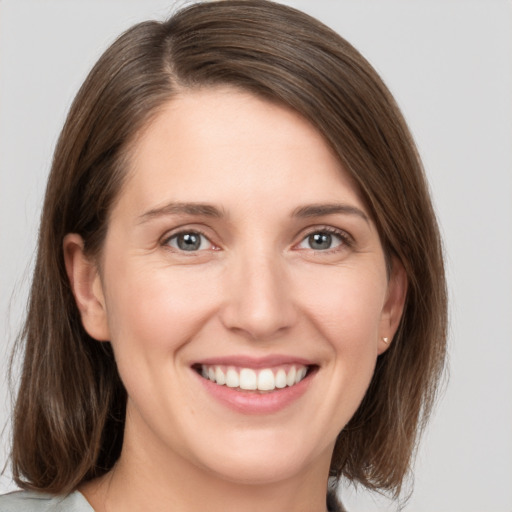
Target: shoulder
point(31, 501)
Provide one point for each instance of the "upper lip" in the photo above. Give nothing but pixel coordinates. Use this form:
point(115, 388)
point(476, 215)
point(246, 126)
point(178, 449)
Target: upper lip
point(245, 361)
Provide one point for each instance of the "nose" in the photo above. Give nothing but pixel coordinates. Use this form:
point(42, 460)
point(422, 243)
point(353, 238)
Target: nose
point(258, 301)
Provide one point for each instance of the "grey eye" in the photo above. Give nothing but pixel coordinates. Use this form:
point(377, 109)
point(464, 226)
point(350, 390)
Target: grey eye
point(320, 241)
point(188, 241)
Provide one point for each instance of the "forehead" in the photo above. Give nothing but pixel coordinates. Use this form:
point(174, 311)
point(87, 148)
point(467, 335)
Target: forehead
point(223, 143)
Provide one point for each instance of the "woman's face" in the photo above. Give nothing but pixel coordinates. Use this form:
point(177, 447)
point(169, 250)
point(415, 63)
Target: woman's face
point(244, 289)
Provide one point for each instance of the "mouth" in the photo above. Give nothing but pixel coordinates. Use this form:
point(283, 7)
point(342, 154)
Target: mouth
point(255, 380)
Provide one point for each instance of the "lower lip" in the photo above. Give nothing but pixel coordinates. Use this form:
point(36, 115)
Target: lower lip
point(250, 402)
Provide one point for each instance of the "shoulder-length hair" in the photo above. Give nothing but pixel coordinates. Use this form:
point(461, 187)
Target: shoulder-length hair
point(69, 415)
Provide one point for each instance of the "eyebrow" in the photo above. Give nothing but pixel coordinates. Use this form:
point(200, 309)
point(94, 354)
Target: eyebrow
point(318, 210)
point(209, 210)
point(202, 209)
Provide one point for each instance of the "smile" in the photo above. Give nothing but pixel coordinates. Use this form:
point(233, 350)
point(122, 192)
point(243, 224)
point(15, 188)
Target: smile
point(248, 379)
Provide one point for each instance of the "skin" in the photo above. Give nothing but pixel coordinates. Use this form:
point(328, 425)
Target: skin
point(256, 287)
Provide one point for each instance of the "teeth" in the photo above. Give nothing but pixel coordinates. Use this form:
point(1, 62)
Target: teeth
point(220, 377)
point(290, 378)
point(301, 373)
point(280, 379)
point(266, 379)
point(232, 380)
point(248, 379)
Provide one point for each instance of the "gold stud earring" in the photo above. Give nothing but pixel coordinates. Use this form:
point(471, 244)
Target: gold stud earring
point(386, 340)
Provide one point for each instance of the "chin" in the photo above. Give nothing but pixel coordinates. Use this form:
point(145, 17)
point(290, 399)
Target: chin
point(255, 471)
point(263, 461)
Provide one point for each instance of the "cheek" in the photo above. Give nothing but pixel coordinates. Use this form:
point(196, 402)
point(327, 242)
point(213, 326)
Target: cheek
point(354, 339)
point(152, 317)
point(157, 311)
point(345, 304)
point(347, 312)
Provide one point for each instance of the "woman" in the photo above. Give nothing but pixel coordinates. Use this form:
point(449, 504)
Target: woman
point(239, 287)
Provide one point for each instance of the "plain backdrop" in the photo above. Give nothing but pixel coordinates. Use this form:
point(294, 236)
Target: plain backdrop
point(449, 64)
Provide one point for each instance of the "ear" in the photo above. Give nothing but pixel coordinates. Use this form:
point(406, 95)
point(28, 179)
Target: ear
point(87, 288)
point(394, 305)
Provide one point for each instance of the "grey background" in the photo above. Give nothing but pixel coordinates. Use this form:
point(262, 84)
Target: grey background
point(449, 64)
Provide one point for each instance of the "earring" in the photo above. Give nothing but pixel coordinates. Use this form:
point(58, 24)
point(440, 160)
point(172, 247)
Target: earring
point(386, 340)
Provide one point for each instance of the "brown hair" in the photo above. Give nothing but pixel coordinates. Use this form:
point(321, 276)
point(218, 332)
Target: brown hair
point(69, 415)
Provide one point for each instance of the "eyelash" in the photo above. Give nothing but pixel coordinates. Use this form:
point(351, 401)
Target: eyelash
point(346, 241)
point(166, 241)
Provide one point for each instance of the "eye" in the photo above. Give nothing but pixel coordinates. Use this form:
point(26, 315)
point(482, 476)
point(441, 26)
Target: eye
point(189, 241)
point(323, 240)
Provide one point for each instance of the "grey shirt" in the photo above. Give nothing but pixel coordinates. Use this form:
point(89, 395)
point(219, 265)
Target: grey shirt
point(30, 501)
